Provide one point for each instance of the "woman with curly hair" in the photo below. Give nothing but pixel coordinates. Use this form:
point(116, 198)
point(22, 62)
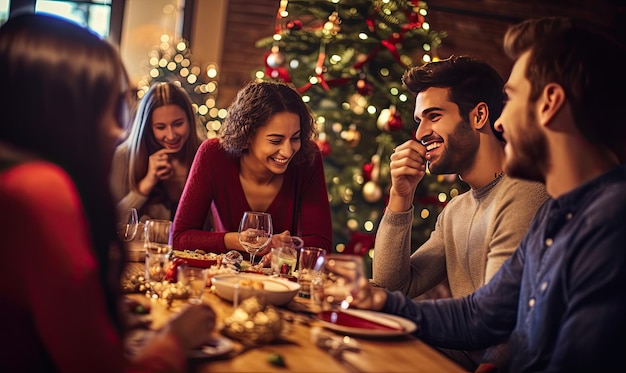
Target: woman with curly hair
point(264, 159)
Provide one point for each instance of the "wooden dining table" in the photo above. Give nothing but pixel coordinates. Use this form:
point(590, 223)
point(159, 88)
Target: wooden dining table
point(297, 345)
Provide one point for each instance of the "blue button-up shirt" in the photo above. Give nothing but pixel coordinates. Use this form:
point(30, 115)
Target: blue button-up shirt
point(561, 297)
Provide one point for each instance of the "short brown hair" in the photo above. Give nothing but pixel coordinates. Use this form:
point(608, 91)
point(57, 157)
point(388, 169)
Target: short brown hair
point(564, 52)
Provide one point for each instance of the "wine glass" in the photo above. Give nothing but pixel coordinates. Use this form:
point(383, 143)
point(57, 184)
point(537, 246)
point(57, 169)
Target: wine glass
point(255, 232)
point(127, 227)
point(337, 283)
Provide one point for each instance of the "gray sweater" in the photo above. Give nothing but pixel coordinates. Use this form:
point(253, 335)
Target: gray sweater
point(128, 197)
point(474, 234)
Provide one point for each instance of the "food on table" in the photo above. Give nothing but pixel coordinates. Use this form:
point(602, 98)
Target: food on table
point(248, 282)
point(196, 254)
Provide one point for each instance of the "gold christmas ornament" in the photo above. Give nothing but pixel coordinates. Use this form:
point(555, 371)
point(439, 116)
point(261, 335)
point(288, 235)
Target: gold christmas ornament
point(372, 192)
point(332, 26)
point(351, 136)
point(383, 119)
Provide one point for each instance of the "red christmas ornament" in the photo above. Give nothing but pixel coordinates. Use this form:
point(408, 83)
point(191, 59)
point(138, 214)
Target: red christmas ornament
point(276, 72)
point(324, 147)
point(294, 25)
point(364, 87)
point(395, 122)
point(367, 171)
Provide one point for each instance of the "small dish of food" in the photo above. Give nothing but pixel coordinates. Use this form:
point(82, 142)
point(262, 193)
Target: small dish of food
point(277, 291)
point(197, 258)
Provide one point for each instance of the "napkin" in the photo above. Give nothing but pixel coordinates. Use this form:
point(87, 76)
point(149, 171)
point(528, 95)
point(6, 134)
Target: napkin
point(361, 320)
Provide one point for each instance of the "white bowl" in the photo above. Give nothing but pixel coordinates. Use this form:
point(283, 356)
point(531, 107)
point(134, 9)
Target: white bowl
point(277, 291)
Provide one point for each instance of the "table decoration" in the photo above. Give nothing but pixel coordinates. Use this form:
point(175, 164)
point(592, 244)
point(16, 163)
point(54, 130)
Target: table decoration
point(253, 322)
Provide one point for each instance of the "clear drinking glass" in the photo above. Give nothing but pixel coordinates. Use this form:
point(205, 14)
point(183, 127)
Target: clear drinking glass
point(255, 232)
point(158, 245)
point(284, 260)
point(309, 257)
point(337, 282)
point(194, 279)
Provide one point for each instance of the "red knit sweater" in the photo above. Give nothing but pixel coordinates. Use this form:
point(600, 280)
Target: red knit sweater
point(51, 300)
point(301, 205)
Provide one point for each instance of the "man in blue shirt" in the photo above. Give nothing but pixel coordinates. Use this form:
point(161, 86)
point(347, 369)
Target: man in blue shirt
point(560, 299)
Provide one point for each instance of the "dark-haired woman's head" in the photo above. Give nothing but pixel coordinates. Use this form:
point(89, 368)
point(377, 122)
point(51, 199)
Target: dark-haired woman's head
point(64, 99)
point(253, 108)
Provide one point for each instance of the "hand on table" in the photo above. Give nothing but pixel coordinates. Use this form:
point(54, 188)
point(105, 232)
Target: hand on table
point(281, 239)
point(192, 325)
point(369, 297)
point(284, 239)
point(136, 314)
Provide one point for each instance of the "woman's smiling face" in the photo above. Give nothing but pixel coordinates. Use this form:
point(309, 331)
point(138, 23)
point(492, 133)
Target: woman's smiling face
point(170, 127)
point(274, 144)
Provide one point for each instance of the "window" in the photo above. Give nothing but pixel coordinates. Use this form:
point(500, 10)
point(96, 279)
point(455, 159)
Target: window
point(104, 17)
point(4, 11)
point(95, 15)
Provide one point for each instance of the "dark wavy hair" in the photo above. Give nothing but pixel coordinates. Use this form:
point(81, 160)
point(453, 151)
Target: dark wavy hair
point(253, 107)
point(470, 81)
point(593, 84)
point(57, 82)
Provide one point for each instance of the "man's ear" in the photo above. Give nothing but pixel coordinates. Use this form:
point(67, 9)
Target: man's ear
point(550, 102)
point(479, 116)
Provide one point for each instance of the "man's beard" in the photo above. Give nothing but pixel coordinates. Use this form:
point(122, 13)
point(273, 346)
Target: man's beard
point(459, 152)
point(529, 157)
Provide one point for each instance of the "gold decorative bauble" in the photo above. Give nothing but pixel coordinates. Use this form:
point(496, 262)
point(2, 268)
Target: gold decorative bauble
point(254, 321)
point(351, 136)
point(372, 192)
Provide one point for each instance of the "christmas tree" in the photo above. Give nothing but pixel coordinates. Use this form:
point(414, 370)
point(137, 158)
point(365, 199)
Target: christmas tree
point(347, 58)
point(172, 61)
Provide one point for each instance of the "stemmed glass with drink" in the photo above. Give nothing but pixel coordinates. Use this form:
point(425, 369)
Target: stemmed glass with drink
point(127, 226)
point(255, 232)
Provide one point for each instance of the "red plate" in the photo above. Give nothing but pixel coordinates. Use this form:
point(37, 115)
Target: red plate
point(196, 262)
point(202, 263)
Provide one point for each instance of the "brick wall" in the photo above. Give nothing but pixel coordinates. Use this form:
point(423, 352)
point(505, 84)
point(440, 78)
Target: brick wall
point(247, 22)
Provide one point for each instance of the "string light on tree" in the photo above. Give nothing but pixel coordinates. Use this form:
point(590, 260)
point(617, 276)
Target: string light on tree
point(172, 61)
